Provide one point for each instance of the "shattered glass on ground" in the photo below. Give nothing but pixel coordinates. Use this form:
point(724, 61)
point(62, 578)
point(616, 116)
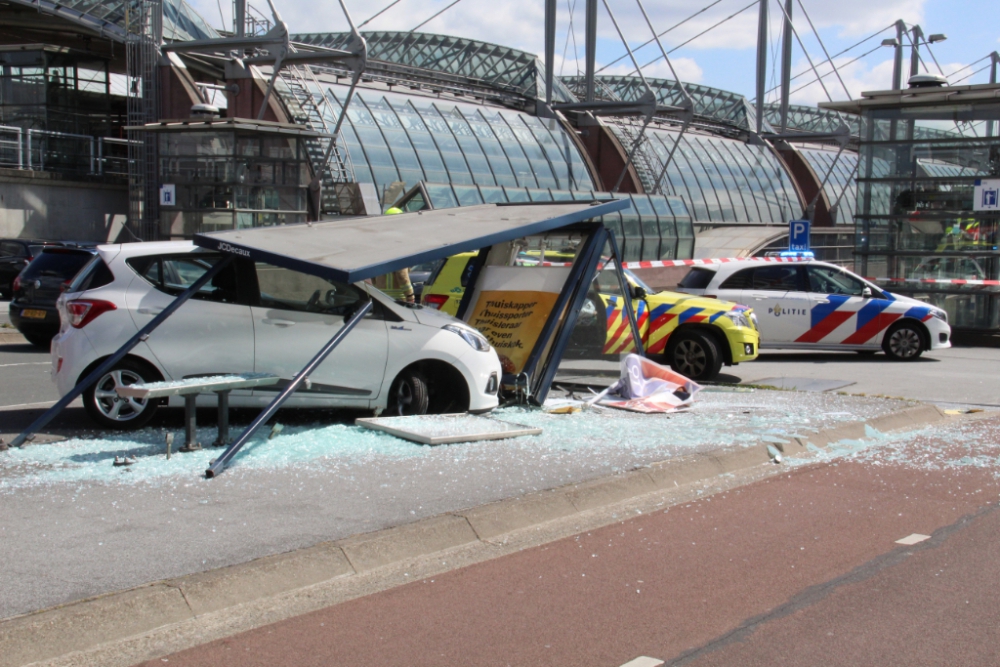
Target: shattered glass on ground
point(73, 525)
point(719, 418)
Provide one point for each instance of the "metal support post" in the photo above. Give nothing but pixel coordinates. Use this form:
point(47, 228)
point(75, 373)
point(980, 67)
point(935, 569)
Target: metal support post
point(786, 64)
point(590, 50)
point(100, 155)
point(219, 464)
point(109, 362)
point(92, 155)
point(761, 64)
point(240, 17)
point(20, 146)
point(576, 275)
point(27, 142)
point(550, 48)
point(626, 296)
point(223, 418)
point(897, 63)
point(994, 61)
point(917, 34)
point(589, 261)
point(191, 443)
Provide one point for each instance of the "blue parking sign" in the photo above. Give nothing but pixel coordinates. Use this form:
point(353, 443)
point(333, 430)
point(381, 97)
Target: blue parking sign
point(798, 235)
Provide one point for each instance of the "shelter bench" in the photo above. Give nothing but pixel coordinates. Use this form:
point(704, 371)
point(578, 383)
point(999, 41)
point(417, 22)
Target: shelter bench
point(190, 388)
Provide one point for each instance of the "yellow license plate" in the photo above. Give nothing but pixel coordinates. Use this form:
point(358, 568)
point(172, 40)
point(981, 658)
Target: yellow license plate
point(33, 314)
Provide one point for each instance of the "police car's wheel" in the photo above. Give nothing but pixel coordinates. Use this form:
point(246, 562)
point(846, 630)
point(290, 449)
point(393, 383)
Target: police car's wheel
point(694, 355)
point(108, 409)
point(903, 342)
point(409, 395)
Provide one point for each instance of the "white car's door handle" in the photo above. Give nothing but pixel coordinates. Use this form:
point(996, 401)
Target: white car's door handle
point(821, 300)
point(278, 323)
point(150, 311)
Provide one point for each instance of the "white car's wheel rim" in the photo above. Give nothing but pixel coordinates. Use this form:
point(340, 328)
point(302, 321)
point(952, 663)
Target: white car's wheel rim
point(113, 406)
point(690, 358)
point(404, 398)
point(904, 342)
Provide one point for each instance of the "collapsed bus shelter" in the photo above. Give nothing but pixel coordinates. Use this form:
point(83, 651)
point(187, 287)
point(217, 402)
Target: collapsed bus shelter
point(356, 249)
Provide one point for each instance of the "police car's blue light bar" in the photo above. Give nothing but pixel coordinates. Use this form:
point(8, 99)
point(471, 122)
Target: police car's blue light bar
point(801, 254)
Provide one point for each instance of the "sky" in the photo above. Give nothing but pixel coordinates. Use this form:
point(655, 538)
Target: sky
point(724, 57)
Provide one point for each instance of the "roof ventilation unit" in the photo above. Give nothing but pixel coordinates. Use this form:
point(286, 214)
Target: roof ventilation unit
point(927, 81)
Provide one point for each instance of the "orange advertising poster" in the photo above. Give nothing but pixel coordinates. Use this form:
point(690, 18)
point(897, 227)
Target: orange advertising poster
point(512, 321)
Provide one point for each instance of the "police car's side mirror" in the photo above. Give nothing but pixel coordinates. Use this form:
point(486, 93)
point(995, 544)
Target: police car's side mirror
point(638, 292)
point(866, 292)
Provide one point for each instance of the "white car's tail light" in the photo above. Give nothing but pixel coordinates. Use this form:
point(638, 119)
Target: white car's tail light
point(83, 311)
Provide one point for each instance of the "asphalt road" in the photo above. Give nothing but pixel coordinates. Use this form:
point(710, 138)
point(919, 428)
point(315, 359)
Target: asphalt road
point(802, 569)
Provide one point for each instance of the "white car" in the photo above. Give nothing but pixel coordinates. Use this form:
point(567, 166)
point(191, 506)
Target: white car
point(819, 306)
point(255, 317)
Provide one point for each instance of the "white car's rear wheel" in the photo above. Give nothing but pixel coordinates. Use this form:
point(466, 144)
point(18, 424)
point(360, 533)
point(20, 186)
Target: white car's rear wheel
point(110, 410)
point(903, 342)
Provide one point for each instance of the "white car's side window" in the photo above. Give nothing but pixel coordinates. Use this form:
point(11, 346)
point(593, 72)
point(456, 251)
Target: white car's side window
point(173, 274)
point(290, 290)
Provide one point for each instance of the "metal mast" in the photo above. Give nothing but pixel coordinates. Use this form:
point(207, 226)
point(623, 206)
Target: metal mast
point(144, 35)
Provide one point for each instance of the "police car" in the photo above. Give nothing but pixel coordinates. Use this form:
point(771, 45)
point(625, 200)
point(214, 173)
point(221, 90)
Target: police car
point(810, 304)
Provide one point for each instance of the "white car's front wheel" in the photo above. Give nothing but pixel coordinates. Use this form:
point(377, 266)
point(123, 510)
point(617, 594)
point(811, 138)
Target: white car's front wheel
point(110, 410)
point(409, 395)
point(903, 342)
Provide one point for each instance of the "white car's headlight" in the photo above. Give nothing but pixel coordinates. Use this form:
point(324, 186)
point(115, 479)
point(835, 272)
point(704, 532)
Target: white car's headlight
point(473, 338)
point(739, 318)
point(940, 314)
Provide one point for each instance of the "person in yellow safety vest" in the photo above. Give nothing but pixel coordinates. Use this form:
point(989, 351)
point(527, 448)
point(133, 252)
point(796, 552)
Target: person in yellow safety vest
point(396, 284)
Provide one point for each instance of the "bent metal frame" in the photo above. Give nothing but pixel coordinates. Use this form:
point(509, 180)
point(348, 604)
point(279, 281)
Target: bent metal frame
point(352, 250)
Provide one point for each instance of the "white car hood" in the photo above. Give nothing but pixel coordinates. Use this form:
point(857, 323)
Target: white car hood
point(435, 318)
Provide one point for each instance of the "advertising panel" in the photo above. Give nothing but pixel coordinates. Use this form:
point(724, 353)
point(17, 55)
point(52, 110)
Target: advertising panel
point(512, 305)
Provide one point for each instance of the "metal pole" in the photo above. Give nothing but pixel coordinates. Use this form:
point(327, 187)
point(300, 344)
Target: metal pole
point(240, 17)
point(220, 463)
point(108, 363)
point(994, 60)
point(626, 296)
point(550, 48)
point(915, 52)
point(897, 63)
point(20, 146)
point(590, 50)
point(100, 155)
point(589, 260)
point(786, 64)
point(761, 64)
point(92, 155)
point(27, 142)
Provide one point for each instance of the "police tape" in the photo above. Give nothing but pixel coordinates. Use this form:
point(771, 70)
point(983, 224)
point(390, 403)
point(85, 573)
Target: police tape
point(665, 263)
point(937, 281)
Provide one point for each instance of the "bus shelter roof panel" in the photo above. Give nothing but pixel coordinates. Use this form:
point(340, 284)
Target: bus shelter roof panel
point(354, 249)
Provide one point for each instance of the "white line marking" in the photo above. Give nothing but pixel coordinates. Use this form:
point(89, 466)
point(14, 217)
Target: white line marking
point(28, 363)
point(643, 661)
point(913, 539)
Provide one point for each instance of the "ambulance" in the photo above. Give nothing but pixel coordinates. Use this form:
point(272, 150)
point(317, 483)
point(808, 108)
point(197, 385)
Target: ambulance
point(813, 305)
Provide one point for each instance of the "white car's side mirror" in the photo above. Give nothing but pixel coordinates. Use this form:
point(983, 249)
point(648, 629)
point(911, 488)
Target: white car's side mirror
point(866, 292)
